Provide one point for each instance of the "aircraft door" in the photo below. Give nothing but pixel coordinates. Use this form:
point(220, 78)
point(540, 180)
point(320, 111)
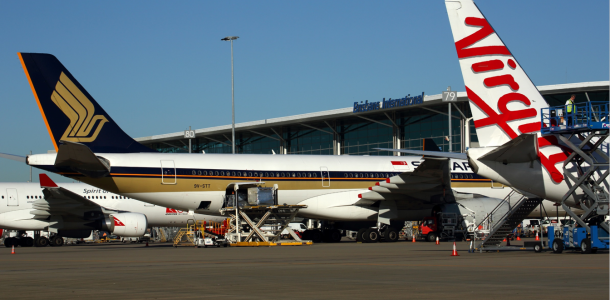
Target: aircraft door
point(325, 176)
point(168, 172)
point(13, 199)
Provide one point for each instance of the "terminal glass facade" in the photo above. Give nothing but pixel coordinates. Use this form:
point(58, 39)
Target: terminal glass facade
point(360, 133)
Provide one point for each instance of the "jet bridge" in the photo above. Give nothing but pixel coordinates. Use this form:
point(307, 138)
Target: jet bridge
point(256, 219)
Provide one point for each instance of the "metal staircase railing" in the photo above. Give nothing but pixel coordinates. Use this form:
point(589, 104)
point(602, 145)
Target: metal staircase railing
point(509, 222)
point(489, 221)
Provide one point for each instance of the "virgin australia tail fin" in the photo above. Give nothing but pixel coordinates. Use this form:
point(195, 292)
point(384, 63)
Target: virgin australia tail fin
point(70, 113)
point(503, 100)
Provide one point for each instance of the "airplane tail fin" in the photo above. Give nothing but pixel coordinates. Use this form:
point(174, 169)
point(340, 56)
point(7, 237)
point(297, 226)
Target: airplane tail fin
point(70, 113)
point(430, 145)
point(46, 181)
point(503, 100)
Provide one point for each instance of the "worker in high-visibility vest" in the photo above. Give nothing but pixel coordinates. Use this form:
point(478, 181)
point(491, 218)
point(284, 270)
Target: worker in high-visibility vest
point(570, 110)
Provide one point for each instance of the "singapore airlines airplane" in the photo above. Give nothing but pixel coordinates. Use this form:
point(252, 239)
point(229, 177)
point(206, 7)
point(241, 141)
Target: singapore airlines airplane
point(93, 149)
point(74, 209)
point(506, 108)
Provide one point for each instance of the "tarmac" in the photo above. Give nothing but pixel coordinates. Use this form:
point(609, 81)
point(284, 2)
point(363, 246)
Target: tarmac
point(401, 270)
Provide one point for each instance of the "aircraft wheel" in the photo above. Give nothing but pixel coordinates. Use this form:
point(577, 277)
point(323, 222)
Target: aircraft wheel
point(371, 235)
point(28, 242)
point(359, 235)
point(57, 241)
point(326, 236)
point(334, 236)
point(557, 246)
point(9, 242)
point(390, 235)
point(43, 241)
point(585, 246)
point(316, 236)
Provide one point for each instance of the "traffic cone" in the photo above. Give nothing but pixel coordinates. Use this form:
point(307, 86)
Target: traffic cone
point(518, 238)
point(537, 238)
point(413, 239)
point(454, 253)
point(437, 240)
point(13, 252)
point(504, 240)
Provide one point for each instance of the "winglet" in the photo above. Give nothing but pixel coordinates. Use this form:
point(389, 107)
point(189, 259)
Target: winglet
point(46, 182)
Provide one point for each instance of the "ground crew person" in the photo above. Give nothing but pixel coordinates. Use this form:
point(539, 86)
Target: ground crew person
point(570, 110)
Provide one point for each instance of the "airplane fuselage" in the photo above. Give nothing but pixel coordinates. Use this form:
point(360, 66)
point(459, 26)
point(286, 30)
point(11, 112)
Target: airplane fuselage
point(16, 201)
point(328, 185)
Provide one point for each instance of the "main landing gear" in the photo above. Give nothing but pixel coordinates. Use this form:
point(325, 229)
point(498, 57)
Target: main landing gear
point(374, 235)
point(38, 241)
point(326, 235)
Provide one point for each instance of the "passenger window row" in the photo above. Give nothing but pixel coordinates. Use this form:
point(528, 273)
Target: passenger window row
point(288, 174)
point(30, 197)
point(462, 176)
point(104, 197)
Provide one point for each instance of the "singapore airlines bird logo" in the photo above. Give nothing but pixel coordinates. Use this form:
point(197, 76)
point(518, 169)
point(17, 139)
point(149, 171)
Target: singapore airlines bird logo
point(79, 109)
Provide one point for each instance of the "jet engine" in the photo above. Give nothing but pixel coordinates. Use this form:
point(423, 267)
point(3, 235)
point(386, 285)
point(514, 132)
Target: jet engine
point(125, 224)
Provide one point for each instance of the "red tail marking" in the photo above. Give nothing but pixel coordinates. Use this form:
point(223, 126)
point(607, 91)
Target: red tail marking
point(501, 80)
point(511, 63)
point(170, 211)
point(475, 37)
point(399, 163)
point(490, 65)
point(506, 115)
point(117, 222)
point(45, 181)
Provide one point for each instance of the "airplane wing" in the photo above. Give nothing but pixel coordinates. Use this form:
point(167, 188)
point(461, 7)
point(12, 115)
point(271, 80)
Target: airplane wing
point(13, 157)
point(428, 185)
point(432, 153)
point(59, 201)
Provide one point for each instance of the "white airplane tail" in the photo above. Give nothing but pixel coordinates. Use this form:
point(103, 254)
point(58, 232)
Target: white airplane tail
point(503, 100)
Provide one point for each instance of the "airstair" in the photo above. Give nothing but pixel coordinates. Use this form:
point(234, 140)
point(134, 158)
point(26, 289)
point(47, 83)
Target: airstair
point(496, 227)
point(586, 168)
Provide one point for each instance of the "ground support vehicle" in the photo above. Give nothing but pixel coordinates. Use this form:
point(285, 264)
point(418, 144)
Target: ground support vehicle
point(202, 234)
point(576, 238)
point(444, 227)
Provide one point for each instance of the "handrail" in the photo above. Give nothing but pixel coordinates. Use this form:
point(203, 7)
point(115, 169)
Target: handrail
point(589, 115)
point(505, 200)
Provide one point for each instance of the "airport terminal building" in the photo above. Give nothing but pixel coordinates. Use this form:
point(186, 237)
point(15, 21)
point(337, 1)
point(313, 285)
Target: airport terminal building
point(400, 123)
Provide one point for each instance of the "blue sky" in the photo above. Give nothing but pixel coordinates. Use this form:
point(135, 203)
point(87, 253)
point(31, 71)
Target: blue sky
point(159, 66)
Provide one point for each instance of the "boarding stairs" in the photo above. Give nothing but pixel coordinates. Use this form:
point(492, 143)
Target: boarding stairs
point(498, 230)
point(586, 167)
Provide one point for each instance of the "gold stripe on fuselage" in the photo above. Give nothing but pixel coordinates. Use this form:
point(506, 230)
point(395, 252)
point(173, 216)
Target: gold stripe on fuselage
point(187, 183)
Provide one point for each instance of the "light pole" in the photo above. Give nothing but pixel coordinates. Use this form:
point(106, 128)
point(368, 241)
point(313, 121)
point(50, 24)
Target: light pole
point(231, 38)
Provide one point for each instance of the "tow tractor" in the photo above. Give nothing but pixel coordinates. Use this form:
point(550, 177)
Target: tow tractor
point(575, 238)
